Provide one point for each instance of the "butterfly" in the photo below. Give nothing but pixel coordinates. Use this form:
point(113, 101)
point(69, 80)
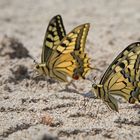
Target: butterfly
point(122, 78)
point(63, 57)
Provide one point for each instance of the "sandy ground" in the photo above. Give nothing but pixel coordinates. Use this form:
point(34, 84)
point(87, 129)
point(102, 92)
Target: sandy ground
point(31, 110)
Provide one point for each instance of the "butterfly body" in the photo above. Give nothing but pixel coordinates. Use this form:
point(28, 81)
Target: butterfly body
point(63, 57)
point(122, 78)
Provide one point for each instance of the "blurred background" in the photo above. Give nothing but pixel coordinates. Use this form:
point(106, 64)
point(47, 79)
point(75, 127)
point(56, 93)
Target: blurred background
point(114, 24)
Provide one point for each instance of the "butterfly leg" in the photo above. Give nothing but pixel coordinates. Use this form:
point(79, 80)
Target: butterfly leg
point(70, 83)
point(83, 103)
point(59, 83)
point(97, 69)
point(48, 86)
point(33, 80)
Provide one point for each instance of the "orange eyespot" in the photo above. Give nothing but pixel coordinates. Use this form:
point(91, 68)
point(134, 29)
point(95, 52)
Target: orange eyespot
point(131, 100)
point(76, 77)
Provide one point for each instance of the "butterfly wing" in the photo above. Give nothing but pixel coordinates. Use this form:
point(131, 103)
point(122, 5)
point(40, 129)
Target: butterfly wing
point(120, 58)
point(75, 40)
point(82, 36)
point(122, 76)
point(69, 53)
point(54, 34)
point(62, 67)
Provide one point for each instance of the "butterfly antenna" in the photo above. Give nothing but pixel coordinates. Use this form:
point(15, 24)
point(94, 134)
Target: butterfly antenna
point(33, 59)
point(92, 81)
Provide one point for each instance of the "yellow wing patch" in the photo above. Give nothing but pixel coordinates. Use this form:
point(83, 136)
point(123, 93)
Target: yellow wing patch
point(53, 36)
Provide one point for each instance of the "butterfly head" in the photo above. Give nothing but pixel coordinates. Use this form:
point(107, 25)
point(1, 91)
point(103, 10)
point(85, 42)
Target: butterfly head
point(96, 88)
point(37, 66)
point(41, 69)
point(108, 99)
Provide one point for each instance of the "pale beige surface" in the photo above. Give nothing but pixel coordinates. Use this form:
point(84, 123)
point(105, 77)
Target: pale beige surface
point(114, 25)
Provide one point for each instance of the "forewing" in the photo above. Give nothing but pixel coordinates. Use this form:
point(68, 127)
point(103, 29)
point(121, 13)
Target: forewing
point(122, 76)
point(128, 57)
point(54, 34)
